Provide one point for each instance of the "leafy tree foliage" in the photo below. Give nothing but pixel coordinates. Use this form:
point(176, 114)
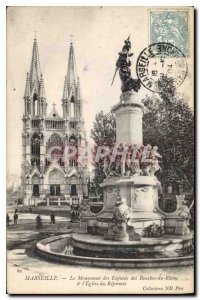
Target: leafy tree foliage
point(104, 129)
point(169, 124)
point(103, 134)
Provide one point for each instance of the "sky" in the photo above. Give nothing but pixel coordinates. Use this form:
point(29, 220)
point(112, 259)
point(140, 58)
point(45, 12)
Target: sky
point(98, 34)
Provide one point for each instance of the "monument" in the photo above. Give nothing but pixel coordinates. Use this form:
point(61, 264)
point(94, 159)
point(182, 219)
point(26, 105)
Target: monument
point(130, 171)
point(130, 227)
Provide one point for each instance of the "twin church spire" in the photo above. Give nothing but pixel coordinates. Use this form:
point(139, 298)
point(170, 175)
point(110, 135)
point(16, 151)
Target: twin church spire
point(35, 71)
point(34, 87)
point(34, 78)
point(71, 83)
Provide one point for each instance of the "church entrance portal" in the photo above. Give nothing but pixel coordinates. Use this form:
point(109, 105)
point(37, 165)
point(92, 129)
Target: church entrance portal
point(55, 190)
point(73, 190)
point(36, 191)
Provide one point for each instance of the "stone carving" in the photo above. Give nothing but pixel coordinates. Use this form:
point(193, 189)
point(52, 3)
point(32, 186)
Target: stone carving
point(146, 170)
point(182, 209)
point(154, 167)
point(136, 192)
point(106, 168)
point(180, 199)
point(28, 167)
point(114, 169)
point(119, 229)
point(139, 161)
point(144, 153)
point(149, 151)
point(42, 167)
point(123, 65)
point(84, 210)
point(154, 153)
point(110, 235)
point(133, 236)
point(133, 167)
point(121, 212)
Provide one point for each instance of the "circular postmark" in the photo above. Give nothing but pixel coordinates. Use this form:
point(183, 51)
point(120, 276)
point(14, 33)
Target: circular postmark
point(159, 60)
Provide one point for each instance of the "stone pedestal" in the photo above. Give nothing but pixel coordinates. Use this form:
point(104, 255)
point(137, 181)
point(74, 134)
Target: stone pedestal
point(120, 233)
point(110, 234)
point(175, 225)
point(133, 236)
point(83, 226)
point(141, 194)
point(129, 113)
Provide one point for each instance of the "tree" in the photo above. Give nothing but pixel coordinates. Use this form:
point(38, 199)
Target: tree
point(103, 134)
point(104, 129)
point(169, 124)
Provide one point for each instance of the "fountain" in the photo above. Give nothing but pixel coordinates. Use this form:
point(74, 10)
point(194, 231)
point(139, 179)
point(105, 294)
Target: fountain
point(130, 230)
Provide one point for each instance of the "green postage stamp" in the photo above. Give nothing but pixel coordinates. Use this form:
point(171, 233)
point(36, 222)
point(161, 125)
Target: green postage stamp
point(170, 26)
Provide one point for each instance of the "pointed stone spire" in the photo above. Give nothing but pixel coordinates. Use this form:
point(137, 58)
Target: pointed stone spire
point(78, 89)
point(72, 90)
point(65, 89)
point(27, 87)
point(42, 90)
point(35, 68)
point(71, 70)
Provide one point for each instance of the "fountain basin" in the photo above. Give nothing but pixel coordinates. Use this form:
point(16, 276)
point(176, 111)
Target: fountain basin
point(96, 246)
point(61, 249)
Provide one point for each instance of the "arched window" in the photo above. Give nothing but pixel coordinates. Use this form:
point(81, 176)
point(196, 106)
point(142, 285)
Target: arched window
point(35, 104)
point(35, 97)
point(35, 185)
point(35, 150)
point(72, 110)
point(55, 149)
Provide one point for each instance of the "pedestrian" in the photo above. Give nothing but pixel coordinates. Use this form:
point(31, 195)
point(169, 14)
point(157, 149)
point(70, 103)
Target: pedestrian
point(7, 220)
point(53, 220)
point(73, 216)
point(39, 224)
point(15, 218)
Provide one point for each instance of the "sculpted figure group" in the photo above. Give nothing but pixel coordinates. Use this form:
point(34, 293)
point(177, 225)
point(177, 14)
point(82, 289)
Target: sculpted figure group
point(142, 161)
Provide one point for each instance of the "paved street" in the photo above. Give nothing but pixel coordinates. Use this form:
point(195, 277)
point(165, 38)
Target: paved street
point(25, 230)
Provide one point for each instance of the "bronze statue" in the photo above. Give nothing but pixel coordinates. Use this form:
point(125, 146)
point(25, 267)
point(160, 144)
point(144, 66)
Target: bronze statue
point(123, 65)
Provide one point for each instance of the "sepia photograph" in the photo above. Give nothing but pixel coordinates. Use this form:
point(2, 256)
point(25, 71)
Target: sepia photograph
point(100, 176)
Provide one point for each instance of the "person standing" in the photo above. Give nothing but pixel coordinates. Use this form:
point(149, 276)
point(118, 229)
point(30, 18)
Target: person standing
point(8, 220)
point(39, 224)
point(73, 215)
point(53, 220)
point(15, 218)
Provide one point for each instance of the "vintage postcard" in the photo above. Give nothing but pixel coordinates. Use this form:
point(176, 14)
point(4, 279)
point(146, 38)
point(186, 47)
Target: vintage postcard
point(100, 150)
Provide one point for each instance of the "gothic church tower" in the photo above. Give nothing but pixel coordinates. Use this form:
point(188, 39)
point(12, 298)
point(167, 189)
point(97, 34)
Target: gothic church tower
point(49, 177)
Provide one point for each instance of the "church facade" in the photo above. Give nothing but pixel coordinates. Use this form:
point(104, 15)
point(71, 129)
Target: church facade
point(50, 175)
